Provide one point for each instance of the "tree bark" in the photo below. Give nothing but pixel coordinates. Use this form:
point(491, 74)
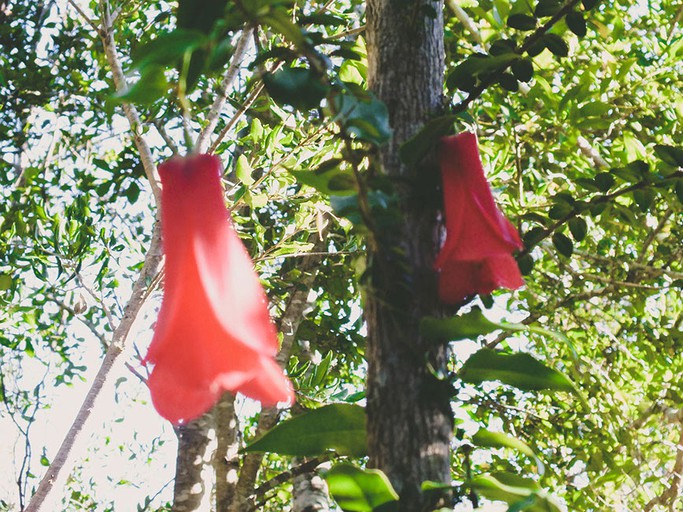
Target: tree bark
point(194, 473)
point(409, 414)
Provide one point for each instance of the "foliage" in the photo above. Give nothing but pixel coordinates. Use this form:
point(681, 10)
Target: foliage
point(579, 111)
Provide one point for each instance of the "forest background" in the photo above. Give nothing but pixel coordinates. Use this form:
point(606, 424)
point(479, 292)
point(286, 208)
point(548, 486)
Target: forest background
point(565, 394)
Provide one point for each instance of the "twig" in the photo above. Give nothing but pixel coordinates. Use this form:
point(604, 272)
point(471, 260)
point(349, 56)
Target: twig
point(228, 78)
point(56, 475)
point(236, 116)
point(465, 20)
point(88, 323)
point(87, 19)
point(158, 124)
point(591, 153)
point(283, 477)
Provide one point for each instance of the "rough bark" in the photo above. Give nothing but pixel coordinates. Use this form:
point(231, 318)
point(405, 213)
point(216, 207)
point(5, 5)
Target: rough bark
point(409, 415)
point(309, 491)
point(194, 473)
point(226, 462)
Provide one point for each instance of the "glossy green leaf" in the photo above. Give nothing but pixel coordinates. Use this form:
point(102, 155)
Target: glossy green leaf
point(522, 22)
point(515, 490)
point(563, 244)
point(328, 178)
point(168, 48)
point(298, 87)
point(338, 427)
point(670, 154)
point(365, 118)
point(578, 228)
point(556, 45)
point(360, 490)
point(576, 23)
point(546, 8)
point(424, 141)
point(243, 170)
point(520, 370)
point(151, 86)
point(523, 69)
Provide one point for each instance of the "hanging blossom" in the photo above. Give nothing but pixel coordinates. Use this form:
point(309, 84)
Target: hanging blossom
point(213, 333)
point(477, 255)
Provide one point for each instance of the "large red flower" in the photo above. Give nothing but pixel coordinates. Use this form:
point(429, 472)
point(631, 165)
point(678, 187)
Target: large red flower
point(213, 333)
point(477, 254)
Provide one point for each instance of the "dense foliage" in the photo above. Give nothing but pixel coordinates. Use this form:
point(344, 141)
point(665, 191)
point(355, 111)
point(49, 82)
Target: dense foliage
point(579, 113)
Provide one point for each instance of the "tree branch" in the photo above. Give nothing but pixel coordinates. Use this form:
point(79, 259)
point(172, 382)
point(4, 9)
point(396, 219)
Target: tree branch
point(107, 35)
point(56, 475)
point(228, 78)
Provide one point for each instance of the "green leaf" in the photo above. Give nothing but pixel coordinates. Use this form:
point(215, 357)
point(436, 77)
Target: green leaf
point(604, 181)
point(576, 23)
point(328, 178)
point(578, 228)
point(589, 4)
point(546, 8)
point(151, 86)
point(508, 82)
point(644, 198)
point(417, 147)
point(523, 69)
point(563, 244)
point(338, 427)
point(473, 324)
point(487, 439)
point(298, 87)
point(556, 45)
point(519, 370)
point(359, 490)
point(522, 22)
point(167, 49)
point(365, 118)
point(243, 170)
point(519, 492)
point(679, 190)
point(6, 282)
point(670, 154)
point(200, 14)
point(467, 326)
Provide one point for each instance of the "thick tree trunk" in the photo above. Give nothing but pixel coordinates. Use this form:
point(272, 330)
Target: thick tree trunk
point(409, 415)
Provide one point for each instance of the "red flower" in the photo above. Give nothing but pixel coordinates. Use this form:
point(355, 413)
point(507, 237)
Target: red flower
point(477, 254)
point(213, 332)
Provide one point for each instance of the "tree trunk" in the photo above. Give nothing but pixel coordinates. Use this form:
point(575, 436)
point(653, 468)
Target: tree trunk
point(409, 414)
point(194, 475)
point(309, 491)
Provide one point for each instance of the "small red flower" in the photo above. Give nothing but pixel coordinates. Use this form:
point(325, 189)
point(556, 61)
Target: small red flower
point(213, 333)
point(477, 254)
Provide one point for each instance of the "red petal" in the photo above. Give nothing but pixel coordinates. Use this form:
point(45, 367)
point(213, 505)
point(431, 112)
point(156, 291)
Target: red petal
point(213, 332)
point(479, 239)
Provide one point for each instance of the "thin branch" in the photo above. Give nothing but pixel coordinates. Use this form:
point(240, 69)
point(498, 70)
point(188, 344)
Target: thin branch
point(228, 78)
point(285, 476)
point(161, 129)
point(466, 21)
point(107, 35)
point(54, 480)
point(87, 322)
point(588, 150)
point(236, 116)
point(87, 19)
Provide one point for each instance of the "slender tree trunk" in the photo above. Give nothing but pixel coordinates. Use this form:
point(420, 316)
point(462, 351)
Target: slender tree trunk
point(194, 475)
point(309, 491)
point(409, 415)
